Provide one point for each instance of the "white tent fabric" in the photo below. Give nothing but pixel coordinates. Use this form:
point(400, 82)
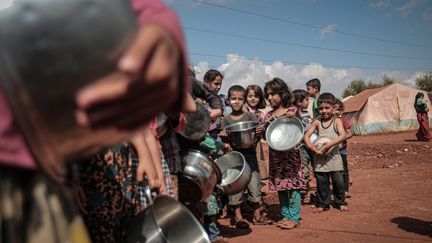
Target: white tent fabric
point(385, 109)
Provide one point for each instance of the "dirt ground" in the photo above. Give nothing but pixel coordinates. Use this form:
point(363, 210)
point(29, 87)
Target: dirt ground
point(391, 198)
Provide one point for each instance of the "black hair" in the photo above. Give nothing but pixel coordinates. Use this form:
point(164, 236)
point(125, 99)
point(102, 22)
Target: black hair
point(300, 95)
point(236, 88)
point(418, 95)
point(340, 104)
point(327, 98)
point(278, 86)
point(315, 83)
point(258, 92)
point(211, 75)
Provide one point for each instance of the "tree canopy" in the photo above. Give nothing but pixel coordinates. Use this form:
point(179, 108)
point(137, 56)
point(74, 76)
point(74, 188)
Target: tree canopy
point(357, 86)
point(424, 82)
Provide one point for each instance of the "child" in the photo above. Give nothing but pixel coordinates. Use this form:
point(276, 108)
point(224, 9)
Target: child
point(236, 98)
point(328, 163)
point(301, 101)
point(423, 134)
point(254, 103)
point(313, 87)
point(286, 174)
point(255, 100)
point(339, 108)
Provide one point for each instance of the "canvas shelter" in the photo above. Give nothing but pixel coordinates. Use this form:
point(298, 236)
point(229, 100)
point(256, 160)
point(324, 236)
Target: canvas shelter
point(386, 109)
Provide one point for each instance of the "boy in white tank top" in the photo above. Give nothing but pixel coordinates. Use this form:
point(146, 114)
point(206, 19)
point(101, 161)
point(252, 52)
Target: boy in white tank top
point(328, 162)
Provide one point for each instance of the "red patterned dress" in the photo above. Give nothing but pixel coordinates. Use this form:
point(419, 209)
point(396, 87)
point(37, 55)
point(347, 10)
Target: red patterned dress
point(285, 168)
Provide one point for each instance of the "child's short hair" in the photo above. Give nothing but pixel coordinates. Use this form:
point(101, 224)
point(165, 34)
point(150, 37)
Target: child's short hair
point(236, 88)
point(258, 92)
point(300, 95)
point(327, 98)
point(340, 104)
point(211, 75)
point(278, 86)
point(315, 83)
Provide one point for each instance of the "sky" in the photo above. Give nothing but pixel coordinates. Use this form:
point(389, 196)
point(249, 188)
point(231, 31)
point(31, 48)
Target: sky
point(252, 41)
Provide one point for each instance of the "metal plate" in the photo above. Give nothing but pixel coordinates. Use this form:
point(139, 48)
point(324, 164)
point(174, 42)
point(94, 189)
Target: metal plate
point(284, 133)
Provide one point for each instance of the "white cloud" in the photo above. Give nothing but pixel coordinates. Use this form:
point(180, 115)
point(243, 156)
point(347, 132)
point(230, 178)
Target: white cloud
point(5, 4)
point(409, 6)
point(243, 71)
point(379, 4)
point(427, 16)
point(328, 30)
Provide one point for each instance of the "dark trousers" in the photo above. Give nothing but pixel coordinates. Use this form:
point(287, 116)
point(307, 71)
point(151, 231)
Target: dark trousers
point(323, 189)
point(345, 171)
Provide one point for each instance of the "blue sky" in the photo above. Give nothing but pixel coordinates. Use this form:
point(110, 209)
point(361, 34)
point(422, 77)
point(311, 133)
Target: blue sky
point(291, 48)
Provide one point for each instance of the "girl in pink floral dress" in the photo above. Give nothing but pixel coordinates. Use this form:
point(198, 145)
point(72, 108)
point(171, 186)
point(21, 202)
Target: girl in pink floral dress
point(285, 170)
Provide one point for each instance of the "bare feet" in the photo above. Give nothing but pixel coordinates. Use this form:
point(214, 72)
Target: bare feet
point(320, 210)
point(288, 224)
point(343, 208)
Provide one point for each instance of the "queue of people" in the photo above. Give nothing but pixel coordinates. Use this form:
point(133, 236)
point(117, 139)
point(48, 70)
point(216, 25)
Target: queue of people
point(98, 195)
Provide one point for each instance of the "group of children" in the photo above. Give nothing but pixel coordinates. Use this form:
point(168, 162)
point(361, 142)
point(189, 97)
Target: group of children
point(290, 171)
point(113, 195)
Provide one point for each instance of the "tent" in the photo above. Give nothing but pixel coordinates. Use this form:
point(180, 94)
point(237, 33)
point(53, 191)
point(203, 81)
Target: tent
point(386, 109)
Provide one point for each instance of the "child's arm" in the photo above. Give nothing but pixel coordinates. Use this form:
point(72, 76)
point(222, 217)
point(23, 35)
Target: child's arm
point(308, 133)
point(342, 136)
point(348, 134)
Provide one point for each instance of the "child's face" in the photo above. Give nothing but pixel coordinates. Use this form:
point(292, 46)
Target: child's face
point(274, 99)
point(311, 90)
point(304, 103)
point(338, 110)
point(215, 85)
point(326, 110)
point(236, 100)
point(252, 99)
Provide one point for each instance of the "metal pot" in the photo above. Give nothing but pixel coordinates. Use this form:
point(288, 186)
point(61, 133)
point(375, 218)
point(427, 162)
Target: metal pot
point(243, 134)
point(197, 123)
point(284, 133)
point(236, 172)
point(166, 221)
point(199, 177)
point(162, 125)
point(49, 50)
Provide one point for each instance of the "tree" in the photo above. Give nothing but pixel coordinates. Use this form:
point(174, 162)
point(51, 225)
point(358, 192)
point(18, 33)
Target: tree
point(355, 87)
point(387, 80)
point(358, 86)
point(424, 82)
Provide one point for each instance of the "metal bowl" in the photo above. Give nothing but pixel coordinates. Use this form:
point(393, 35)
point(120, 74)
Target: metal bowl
point(243, 134)
point(284, 133)
point(165, 221)
point(49, 50)
point(197, 123)
point(313, 138)
point(199, 176)
point(236, 172)
point(321, 141)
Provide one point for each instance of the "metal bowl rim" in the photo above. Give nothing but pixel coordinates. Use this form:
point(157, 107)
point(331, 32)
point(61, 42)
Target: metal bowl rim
point(242, 122)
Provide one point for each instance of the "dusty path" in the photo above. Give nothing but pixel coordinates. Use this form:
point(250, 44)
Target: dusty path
point(391, 202)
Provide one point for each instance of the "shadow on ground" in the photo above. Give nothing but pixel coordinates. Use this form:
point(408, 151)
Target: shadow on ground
point(414, 225)
point(231, 232)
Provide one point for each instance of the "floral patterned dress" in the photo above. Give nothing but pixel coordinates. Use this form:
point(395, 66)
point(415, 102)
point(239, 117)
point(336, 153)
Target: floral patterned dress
point(286, 167)
point(112, 192)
